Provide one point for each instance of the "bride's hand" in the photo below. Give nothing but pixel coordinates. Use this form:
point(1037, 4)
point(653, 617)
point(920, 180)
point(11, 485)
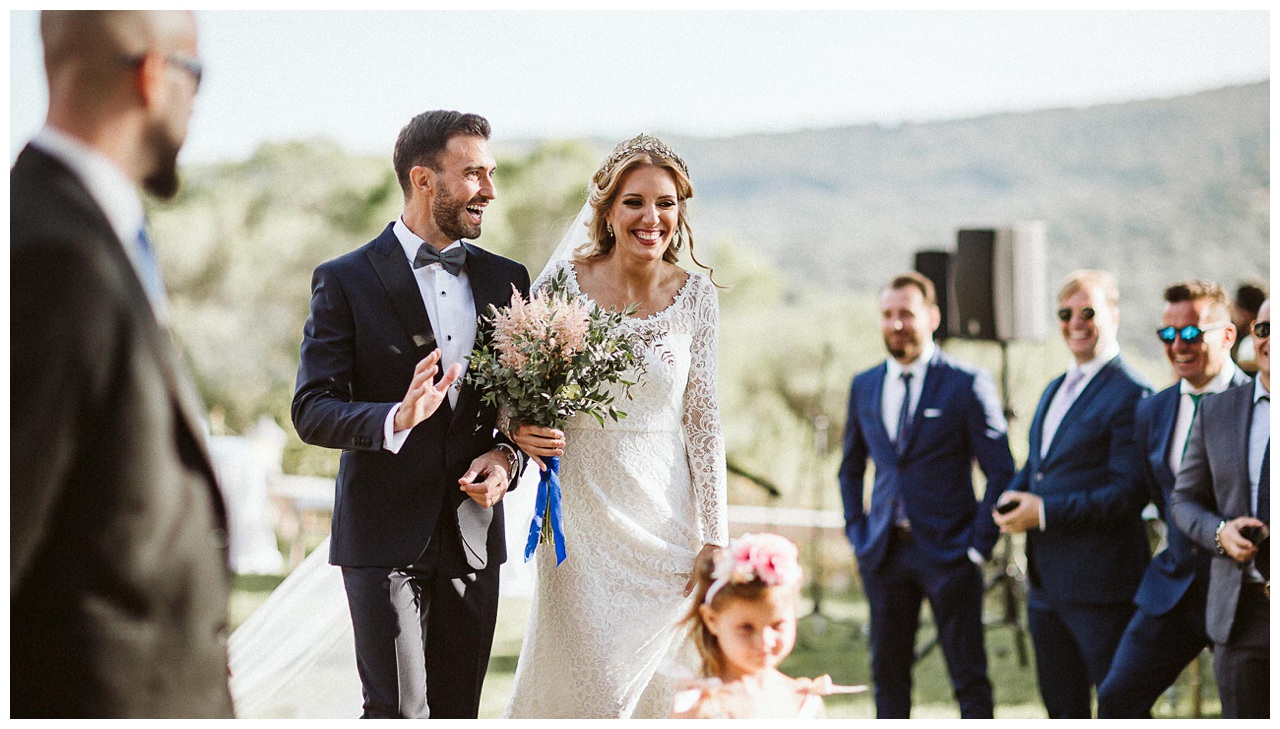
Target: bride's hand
point(536, 440)
point(704, 555)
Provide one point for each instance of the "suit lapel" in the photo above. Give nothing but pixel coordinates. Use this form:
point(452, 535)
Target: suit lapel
point(928, 397)
point(1071, 418)
point(486, 289)
point(1240, 427)
point(876, 384)
point(1036, 437)
point(393, 270)
point(1166, 419)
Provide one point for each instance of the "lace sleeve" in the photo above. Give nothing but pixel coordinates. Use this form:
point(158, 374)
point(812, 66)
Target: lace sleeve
point(701, 418)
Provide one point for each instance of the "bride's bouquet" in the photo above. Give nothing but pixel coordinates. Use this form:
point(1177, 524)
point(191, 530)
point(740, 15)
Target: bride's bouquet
point(542, 361)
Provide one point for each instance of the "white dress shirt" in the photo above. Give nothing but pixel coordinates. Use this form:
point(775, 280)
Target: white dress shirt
point(1186, 410)
point(114, 193)
point(891, 395)
point(450, 309)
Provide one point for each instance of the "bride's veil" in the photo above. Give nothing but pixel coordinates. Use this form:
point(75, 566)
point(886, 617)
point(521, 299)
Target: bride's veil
point(575, 242)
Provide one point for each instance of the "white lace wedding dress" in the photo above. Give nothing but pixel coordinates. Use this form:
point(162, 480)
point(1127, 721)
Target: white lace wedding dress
point(640, 498)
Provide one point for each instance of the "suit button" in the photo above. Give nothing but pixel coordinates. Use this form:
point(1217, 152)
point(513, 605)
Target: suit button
point(219, 538)
point(1039, 475)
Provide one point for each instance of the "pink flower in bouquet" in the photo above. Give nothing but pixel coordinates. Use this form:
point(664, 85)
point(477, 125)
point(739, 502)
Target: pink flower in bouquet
point(521, 322)
point(569, 328)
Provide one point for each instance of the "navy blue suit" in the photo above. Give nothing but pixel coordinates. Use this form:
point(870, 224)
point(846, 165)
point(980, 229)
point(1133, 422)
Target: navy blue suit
point(403, 512)
point(1167, 631)
point(957, 419)
point(1086, 564)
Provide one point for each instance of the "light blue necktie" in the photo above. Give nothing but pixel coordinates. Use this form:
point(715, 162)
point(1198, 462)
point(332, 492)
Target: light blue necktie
point(149, 268)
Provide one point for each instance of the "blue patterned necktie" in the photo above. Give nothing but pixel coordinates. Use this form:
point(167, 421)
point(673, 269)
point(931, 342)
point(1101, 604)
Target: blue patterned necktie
point(451, 260)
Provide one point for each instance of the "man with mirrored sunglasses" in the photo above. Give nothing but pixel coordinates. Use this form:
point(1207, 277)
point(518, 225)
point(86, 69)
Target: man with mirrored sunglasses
point(1079, 502)
point(1167, 631)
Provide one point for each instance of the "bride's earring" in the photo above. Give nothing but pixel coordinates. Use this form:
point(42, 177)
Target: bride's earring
point(608, 228)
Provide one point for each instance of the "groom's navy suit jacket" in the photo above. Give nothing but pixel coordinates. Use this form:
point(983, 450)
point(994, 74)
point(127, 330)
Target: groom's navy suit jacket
point(1094, 547)
point(957, 419)
point(367, 331)
point(1182, 562)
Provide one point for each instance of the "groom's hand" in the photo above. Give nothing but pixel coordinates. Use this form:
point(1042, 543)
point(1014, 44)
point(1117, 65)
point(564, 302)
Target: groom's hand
point(536, 440)
point(491, 470)
point(424, 396)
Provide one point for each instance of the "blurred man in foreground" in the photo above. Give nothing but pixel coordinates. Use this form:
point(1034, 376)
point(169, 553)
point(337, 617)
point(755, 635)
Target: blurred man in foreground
point(1167, 631)
point(118, 574)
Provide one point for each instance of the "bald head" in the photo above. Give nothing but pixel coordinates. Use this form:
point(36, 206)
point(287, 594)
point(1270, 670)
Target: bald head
point(123, 82)
point(98, 43)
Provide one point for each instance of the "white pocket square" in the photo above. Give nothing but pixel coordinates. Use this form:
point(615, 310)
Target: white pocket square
point(932, 413)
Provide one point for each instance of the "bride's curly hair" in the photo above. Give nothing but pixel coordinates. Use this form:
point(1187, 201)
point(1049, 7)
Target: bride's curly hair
point(639, 151)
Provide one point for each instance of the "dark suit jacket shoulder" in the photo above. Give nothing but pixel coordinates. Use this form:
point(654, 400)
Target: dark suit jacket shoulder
point(118, 580)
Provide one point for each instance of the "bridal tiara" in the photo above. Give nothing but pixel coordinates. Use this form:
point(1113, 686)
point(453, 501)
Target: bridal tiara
point(641, 143)
point(766, 558)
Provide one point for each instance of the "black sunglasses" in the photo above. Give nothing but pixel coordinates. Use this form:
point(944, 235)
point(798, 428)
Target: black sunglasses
point(1087, 313)
point(1261, 329)
point(194, 67)
point(1191, 334)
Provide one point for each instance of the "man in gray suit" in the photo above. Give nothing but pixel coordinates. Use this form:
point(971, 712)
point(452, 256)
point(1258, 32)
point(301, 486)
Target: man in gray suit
point(1223, 503)
point(118, 577)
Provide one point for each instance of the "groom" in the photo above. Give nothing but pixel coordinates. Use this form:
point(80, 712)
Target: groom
point(417, 520)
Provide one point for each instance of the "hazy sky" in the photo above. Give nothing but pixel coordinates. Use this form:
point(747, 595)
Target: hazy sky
point(357, 77)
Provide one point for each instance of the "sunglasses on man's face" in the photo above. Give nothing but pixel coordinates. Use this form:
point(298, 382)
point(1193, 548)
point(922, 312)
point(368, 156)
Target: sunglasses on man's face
point(1087, 313)
point(1191, 334)
point(1261, 329)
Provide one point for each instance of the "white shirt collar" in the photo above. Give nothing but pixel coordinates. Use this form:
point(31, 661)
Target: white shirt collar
point(107, 184)
point(410, 241)
point(1218, 384)
point(1259, 390)
point(917, 368)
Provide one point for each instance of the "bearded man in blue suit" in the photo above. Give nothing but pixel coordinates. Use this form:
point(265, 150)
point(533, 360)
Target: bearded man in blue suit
point(1168, 631)
point(923, 418)
point(1079, 501)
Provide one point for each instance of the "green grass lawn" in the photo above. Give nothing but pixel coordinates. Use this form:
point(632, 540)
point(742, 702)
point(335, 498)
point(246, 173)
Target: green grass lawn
point(833, 642)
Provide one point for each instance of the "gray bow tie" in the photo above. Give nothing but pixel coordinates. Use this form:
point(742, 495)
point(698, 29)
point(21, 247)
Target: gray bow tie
point(451, 260)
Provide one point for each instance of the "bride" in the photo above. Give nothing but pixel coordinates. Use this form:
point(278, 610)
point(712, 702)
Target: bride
point(644, 497)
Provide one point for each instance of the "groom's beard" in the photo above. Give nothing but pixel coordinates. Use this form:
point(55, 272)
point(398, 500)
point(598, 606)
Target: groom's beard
point(450, 215)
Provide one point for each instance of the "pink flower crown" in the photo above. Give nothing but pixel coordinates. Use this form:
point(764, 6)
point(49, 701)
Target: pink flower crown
point(768, 558)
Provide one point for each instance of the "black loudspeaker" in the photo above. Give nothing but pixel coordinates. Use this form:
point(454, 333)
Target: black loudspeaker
point(999, 281)
point(938, 267)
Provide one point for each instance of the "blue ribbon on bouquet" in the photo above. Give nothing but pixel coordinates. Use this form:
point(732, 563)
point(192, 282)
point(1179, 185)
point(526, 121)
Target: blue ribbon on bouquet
point(547, 506)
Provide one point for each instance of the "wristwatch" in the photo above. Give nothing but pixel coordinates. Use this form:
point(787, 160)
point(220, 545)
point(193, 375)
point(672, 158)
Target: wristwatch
point(1217, 537)
point(513, 459)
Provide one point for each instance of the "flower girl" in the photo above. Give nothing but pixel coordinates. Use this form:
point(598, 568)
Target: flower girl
point(743, 624)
